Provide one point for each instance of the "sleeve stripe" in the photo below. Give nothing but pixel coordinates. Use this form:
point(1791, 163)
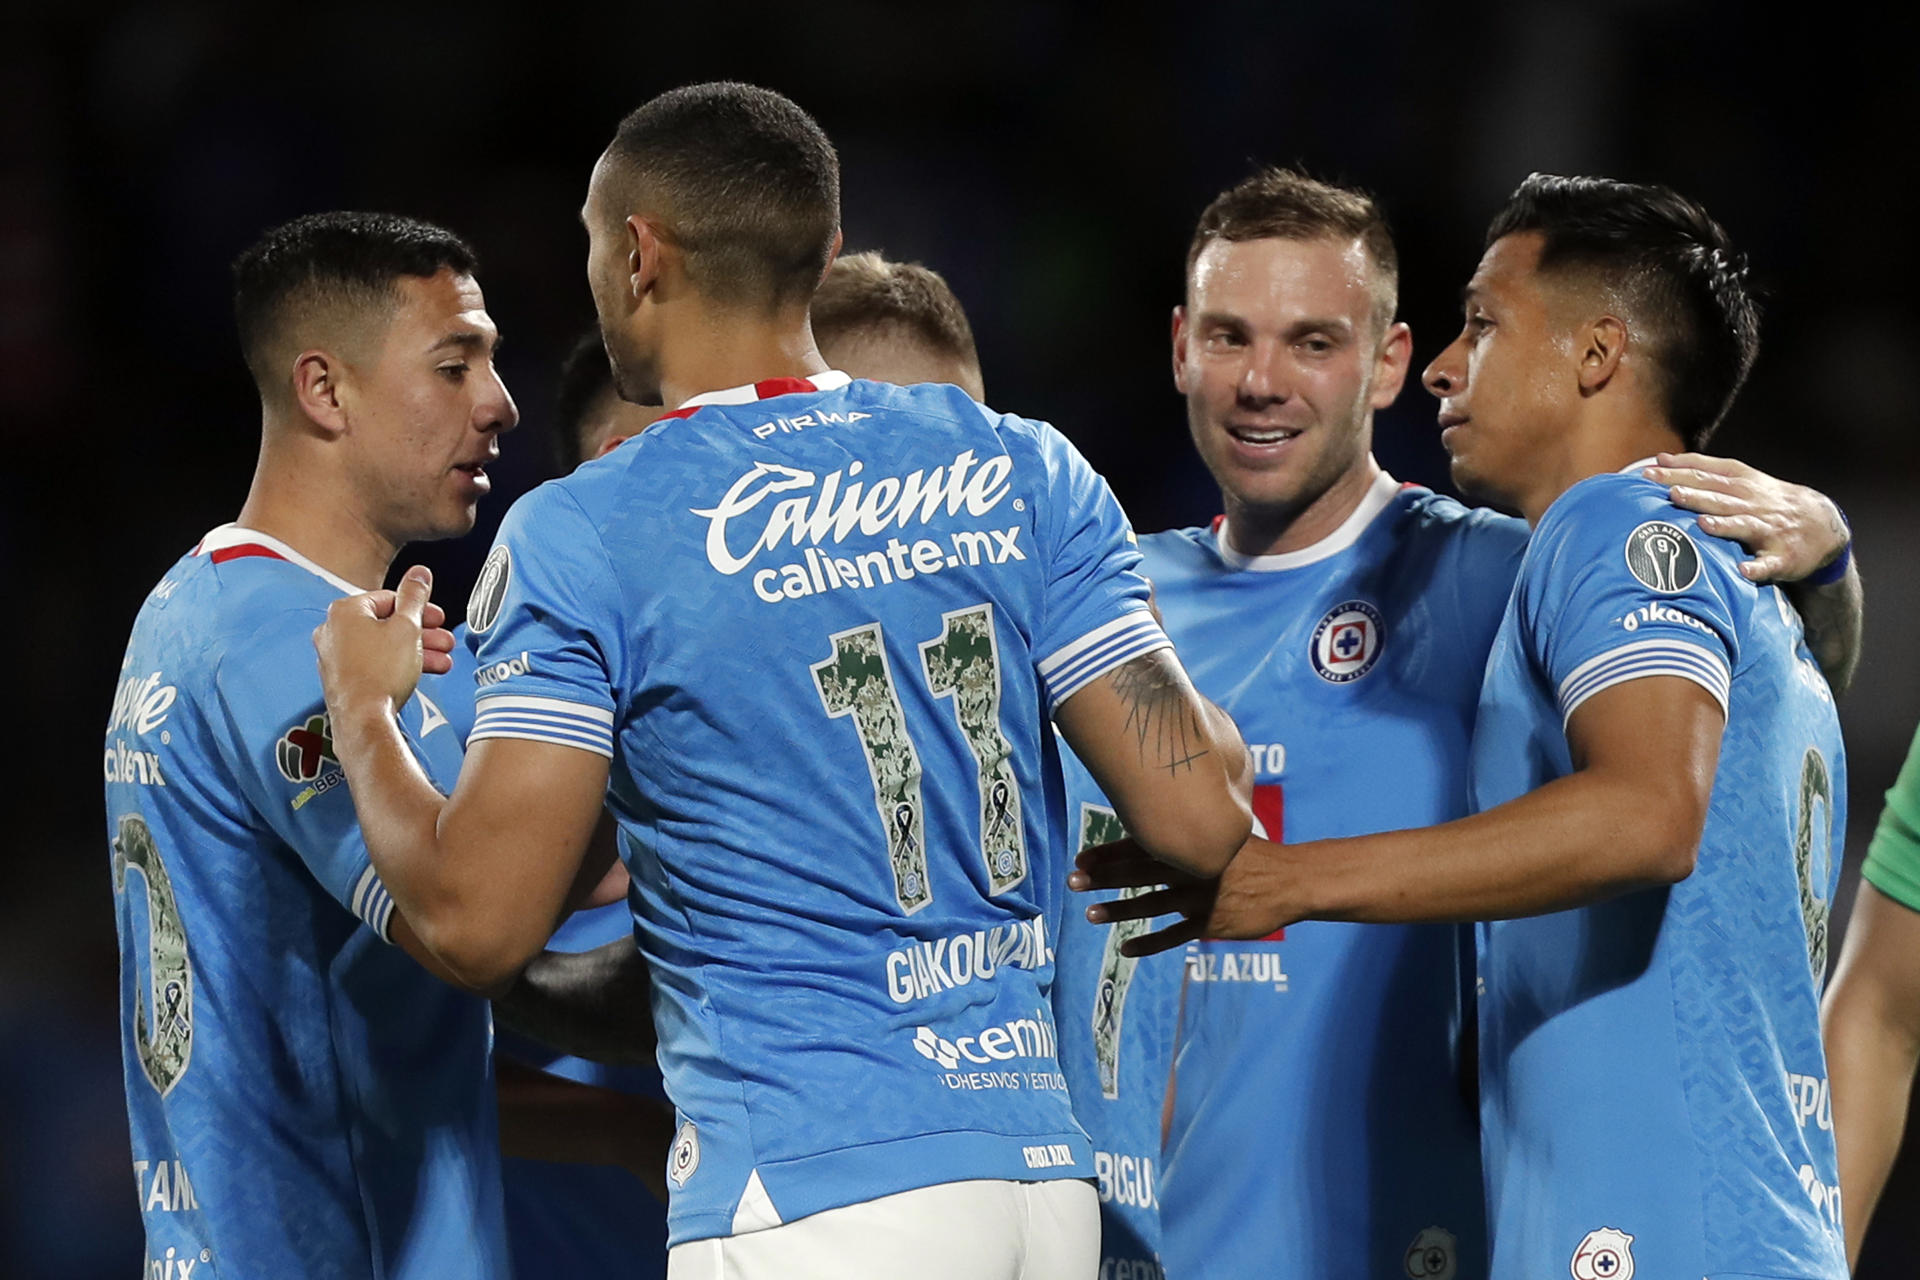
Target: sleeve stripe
point(488, 703)
point(571, 735)
point(1639, 660)
point(372, 903)
point(1073, 666)
point(566, 724)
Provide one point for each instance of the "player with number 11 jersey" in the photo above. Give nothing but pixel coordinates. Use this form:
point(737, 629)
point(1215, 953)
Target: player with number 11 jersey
point(823, 667)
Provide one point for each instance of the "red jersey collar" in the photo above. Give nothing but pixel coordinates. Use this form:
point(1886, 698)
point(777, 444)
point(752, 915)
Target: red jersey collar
point(831, 380)
point(232, 542)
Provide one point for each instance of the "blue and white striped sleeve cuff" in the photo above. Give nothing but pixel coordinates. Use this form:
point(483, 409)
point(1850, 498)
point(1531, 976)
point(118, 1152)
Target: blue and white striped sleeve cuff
point(571, 724)
point(372, 903)
point(1640, 659)
point(1073, 666)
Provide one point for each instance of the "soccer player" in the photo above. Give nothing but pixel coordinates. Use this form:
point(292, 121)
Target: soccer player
point(1311, 1064)
point(1872, 1012)
point(875, 319)
point(805, 627)
point(1657, 770)
point(306, 1099)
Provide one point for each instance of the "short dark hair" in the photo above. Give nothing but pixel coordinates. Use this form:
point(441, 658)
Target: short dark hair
point(326, 261)
point(864, 292)
point(1672, 264)
point(747, 183)
point(585, 376)
point(1285, 204)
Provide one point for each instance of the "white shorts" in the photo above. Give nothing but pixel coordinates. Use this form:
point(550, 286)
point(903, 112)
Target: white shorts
point(979, 1230)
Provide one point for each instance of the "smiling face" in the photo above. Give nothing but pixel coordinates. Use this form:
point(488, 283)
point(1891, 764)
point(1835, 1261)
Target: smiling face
point(1508, 385)
point(1282, 361)
point(424, 410)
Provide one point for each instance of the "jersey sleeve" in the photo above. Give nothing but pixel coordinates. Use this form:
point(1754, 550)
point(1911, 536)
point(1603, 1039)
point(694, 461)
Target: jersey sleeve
point(271, 721)
point(1620, 585)
point(1094, 615)
point(1893, 859)
point(544, 626)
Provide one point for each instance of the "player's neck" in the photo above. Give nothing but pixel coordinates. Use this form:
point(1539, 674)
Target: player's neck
point(295, 505)
point(1606, 440)
point(1272, 531)
point(716, 349)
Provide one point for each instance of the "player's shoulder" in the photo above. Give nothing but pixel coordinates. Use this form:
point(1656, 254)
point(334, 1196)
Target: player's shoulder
point(1172, 553)
point(1600, 511)
point(1438, 515)
point(242, 592)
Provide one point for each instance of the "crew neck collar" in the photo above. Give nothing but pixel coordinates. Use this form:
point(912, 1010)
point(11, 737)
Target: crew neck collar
point(1378, 495)
point(235, 541)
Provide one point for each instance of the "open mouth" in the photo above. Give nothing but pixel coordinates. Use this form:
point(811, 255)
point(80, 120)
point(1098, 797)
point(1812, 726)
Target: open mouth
point(1262, 435)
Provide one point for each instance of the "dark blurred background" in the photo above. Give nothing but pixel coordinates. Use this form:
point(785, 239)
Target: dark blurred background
point(1049, 162)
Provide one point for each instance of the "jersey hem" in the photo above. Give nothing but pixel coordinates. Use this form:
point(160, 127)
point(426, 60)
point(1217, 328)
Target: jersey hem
point(802, 1187)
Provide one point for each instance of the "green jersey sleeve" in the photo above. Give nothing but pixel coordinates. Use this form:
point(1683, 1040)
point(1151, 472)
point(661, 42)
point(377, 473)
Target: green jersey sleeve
point(1893, 859)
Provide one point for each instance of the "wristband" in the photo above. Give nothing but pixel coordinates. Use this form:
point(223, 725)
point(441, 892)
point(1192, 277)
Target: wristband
point(1832, 573)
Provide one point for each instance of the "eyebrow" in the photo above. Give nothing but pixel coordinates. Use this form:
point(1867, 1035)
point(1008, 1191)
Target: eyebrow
point(469, 340)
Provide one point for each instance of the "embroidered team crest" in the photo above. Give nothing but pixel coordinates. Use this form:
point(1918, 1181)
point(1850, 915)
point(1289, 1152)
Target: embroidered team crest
point(1663, 557)
point(685, 1156)
point(490, 589)
point(1432, 1255)
point(1347, 641)
point(1606, 1254)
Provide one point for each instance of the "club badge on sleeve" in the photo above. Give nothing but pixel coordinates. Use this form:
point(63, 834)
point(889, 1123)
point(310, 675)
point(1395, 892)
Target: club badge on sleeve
point(1663, 557)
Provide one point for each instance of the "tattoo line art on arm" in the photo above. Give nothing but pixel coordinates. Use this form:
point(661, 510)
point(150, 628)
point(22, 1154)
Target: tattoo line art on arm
point(1163, 727)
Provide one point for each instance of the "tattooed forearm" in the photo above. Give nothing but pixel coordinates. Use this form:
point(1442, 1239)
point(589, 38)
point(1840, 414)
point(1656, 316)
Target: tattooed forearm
point(1160, 713)
point(1832, 616)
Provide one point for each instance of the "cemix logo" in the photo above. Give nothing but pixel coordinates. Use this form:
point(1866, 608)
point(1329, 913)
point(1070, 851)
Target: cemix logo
point(1019, 1038)
point(797, 506)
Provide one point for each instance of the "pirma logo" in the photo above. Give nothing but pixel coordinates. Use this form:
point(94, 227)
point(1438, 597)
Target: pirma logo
point(306, 749)
point(685, 1156)
point(1662, 557)
point(1606, 1254)
point(490, 589)
point(1347, 641)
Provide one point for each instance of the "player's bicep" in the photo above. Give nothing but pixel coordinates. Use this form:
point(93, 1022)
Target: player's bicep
point(533, 806)
point(1167, 759)
point(1656, 741)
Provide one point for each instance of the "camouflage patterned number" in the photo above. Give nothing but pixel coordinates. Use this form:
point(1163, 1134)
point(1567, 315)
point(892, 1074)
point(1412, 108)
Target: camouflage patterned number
point(857, 682)
point(1100, 826)
point(166, 1045)
point(1813, 855)
point(964, 664)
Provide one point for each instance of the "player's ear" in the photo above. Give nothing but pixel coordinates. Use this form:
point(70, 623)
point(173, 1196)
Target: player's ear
point(833, 254)
point(317, 390)
point(1603, 344)
point(644, 247)
point(1180, 349)
point(1391, 364)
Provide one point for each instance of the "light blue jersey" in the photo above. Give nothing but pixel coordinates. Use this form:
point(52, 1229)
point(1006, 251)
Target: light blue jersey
point(1319, 1124)
point(1652, 1078)
point(818, 627)
point(584, 1221)
point(305, 1099)
point(1117, 1018)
